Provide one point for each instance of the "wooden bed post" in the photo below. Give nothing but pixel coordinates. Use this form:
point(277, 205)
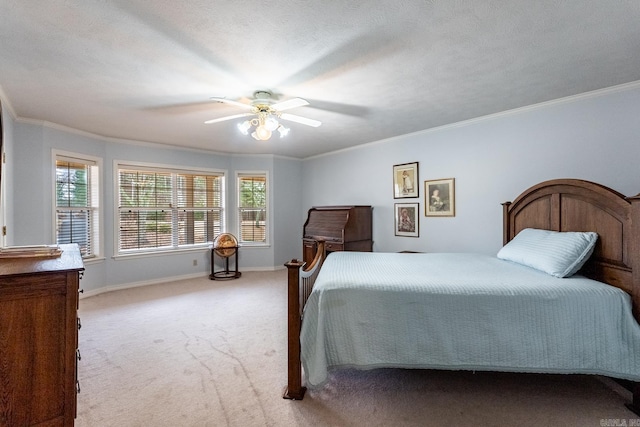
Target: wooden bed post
point(294, 389)
point(634, 250)
point(506, 226)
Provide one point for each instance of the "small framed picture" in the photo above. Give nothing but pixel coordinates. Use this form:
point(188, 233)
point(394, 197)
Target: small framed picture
point(407, 219)
point(439, 197)
point(405, 180)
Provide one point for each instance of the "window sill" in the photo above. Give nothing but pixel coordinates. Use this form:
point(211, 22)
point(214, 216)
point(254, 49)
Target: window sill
point(256, 246)
point(164, 252)
point(93, 260)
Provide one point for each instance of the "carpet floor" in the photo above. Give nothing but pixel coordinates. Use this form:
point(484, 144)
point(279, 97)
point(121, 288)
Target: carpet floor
point(213, 353)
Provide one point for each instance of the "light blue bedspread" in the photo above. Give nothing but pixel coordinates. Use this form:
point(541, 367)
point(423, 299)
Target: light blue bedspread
point(463, 311)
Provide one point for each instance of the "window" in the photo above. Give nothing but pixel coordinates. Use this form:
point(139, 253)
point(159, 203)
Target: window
point(77, 203)
point(252, 208)
point(165, 209)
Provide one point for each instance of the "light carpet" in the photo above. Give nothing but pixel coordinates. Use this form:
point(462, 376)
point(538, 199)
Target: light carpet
point(213, 353)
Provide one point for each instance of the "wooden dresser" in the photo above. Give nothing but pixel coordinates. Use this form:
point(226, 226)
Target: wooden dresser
point(39, 339)
point(343, 228)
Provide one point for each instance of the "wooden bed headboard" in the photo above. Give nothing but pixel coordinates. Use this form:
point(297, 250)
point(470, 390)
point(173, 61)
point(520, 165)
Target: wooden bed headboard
point(577, 205)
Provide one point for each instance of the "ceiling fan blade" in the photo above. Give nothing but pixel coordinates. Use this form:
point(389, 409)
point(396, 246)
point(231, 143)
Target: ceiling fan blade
point(222, 119)
point(232, 102)
point(340, 108)
point(288, 104)
point(302, 120)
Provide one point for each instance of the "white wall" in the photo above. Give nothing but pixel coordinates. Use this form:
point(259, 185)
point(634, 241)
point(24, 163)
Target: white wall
point(594, 137)
point(287, 227)
point(32, 203)
point(284, 192)
point(7, 184)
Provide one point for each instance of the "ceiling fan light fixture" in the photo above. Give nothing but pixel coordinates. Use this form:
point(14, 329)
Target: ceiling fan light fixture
point(244, 127)
point(267, 115)
point(263, 133)
point(283, 131)
point(264, 127)
point(271, 123)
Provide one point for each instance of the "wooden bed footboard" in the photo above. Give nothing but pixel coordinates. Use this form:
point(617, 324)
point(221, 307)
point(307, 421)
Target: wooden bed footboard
point(300, 282)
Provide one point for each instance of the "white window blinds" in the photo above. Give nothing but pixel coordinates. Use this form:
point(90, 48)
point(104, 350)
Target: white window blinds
point(165, 209)
point(252, 208)
point(77, 204)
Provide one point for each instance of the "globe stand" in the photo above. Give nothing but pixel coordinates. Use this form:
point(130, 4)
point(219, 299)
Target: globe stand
point(225, 274)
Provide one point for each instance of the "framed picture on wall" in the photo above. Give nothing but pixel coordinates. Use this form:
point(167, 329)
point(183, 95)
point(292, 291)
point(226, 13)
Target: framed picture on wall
point(439, 197)
point(405, 180)
point(407, 219)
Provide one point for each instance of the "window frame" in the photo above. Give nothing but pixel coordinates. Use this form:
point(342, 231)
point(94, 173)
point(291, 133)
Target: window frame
point(97, 242)
point(267, 232)
point(174, 207)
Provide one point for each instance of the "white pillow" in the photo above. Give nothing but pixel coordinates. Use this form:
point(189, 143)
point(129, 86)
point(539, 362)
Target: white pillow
point(560, 254)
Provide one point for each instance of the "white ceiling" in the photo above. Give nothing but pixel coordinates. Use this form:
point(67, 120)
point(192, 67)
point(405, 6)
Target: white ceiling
point(371, 70)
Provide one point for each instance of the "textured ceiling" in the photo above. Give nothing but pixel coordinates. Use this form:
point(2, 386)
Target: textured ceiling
point(371, 70)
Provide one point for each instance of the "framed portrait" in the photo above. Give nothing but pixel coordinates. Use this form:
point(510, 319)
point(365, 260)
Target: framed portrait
point(439, 197)
point(405, 180)
point(406, 219)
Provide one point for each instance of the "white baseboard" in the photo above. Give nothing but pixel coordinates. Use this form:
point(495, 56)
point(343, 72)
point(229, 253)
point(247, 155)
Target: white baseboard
point(103, 289)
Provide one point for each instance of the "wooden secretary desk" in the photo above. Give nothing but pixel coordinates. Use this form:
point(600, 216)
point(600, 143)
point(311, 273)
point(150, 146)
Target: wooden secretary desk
point(343, 228)
point(39, 339)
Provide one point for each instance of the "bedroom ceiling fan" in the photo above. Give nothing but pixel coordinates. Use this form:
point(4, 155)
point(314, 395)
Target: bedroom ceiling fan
point(268, 113)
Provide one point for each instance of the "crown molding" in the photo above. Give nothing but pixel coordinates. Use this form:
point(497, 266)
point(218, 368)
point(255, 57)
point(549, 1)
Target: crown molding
point(6, 104)
point(68, 129)
point(559, 101)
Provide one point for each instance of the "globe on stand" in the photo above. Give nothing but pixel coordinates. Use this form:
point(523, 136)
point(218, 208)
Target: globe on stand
point(225, 245)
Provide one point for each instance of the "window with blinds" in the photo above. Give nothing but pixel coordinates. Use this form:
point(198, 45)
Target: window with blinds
point(166, 209)
point(252, 208)
point(77, 202)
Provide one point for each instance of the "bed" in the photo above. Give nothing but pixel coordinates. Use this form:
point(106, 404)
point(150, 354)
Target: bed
point(477, 312)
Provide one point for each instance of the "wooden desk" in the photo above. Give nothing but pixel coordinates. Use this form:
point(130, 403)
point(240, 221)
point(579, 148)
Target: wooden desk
point(342, 228)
